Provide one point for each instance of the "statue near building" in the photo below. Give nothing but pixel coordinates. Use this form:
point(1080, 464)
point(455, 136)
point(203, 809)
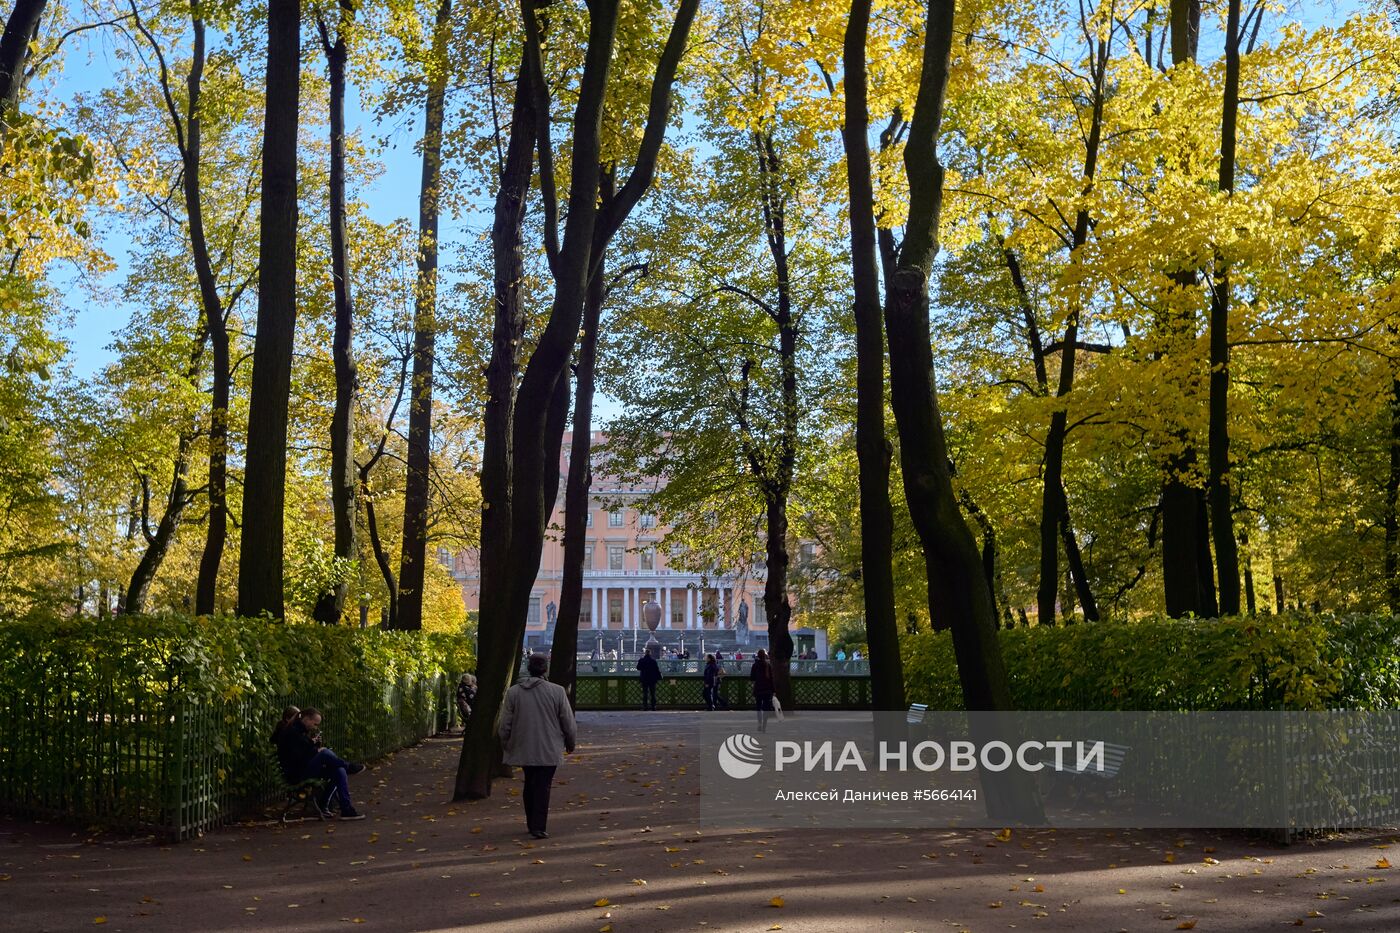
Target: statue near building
point(742, 628)
point(550, 611)
point(651, 618)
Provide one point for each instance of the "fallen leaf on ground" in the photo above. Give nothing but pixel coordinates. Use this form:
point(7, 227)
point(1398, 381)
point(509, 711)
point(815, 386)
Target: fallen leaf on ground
point(776, 902)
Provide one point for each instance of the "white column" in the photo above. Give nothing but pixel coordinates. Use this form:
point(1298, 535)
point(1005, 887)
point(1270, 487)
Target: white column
point(593, 602)
point(690, 608)
point(721, 618)
point(666, 606)
point(626, 607)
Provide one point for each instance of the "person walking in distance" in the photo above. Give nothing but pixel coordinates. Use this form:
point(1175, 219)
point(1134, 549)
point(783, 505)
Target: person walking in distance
point(761, 676)
point(650, 673)
point(713, 673)
point(537, 730)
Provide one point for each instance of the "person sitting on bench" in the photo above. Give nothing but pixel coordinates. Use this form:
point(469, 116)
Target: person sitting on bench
point(302, 758)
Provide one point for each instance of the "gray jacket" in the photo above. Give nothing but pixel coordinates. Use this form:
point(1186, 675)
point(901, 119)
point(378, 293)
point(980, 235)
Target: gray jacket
point(537, 725)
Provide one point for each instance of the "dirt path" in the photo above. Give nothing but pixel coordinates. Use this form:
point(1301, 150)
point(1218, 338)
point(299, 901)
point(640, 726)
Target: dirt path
point(624, 829)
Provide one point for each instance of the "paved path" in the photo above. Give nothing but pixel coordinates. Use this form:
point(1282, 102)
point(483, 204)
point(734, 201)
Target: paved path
point(624, 830)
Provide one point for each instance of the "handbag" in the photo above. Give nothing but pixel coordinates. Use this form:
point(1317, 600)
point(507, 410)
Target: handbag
point(777, 708)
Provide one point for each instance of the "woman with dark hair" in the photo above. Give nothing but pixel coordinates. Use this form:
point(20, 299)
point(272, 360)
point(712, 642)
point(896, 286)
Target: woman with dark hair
point(713, 673)
point(761, 676)
point(288, 714)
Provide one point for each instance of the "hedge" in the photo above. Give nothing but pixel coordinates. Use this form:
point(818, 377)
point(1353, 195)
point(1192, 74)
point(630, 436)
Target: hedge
point(1244, 663)
point(161, 723)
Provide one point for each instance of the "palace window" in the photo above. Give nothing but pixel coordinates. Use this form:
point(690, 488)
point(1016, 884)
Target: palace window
point(614, 519)
point(647, 559)
point(615, 552)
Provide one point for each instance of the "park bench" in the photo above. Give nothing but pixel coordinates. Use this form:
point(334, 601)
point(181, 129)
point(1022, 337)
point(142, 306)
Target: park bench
point(301, 796)
point(916, 713)
point(1113, 758)
point(301, 801)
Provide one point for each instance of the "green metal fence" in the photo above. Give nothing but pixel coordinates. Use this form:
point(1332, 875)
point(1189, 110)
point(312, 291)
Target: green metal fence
point(136, 755)
point(686, 691)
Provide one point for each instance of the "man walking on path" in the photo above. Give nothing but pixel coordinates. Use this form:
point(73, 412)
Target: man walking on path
point(537, 730)
point(651, 676)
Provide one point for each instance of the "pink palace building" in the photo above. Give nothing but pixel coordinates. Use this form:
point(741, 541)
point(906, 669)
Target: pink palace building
point(624, 568)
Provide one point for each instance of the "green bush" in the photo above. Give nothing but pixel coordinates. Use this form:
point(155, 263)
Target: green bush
point(162, 722)
point(1244, 663)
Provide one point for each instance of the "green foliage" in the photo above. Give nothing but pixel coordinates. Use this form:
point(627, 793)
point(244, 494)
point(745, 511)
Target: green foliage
point(162, 722)
point(1243, 663)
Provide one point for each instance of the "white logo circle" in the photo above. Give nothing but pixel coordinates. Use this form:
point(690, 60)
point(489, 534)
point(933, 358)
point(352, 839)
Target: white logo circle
point(741, 756)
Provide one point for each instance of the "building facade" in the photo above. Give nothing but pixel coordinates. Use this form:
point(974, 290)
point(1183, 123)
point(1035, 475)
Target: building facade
point(625, 566)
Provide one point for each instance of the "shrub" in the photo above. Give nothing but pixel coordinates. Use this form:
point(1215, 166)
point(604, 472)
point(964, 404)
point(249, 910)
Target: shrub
point(1243, 663)
point(162, 722)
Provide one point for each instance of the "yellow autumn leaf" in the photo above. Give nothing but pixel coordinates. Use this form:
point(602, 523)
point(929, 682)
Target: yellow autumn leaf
point(776, 902)
point(601, 902)
point(1186, 925)
point(99, 919)
point(1004, 835)
point(1382, 862)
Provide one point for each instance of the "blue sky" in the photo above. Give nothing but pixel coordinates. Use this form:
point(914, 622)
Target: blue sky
point(89, 324)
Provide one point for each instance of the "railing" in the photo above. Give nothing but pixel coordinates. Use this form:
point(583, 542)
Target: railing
point(628, 667)
point(686, 691)
point(142, 759)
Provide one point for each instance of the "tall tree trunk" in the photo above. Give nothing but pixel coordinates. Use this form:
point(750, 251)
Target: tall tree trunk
point(1185, 29)
point(495, 642)
point(158, 543)
point(190, 140)
point(1221, 521)
point(265, 473)
point(381, 557)
point(957, 590)
point(872, 447)
point(1205, 563)
point(1249, 600)
point(541, 405)
point(188, 130)
point(343, 478)
point(563, 658)
point(21, 29)
point(420, 408)
point(1184, 590)
point(1054, 509)
point(1392, 512)
point(775, 471)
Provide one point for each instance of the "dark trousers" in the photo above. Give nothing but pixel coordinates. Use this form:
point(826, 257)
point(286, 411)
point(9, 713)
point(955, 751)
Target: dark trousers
point(711, 696)
point(648, 695)
point(538, 779)
point(763, 703)
point(329, 766)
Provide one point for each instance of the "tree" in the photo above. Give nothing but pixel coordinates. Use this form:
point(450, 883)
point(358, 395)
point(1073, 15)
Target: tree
point(872, 448)
point(344, 481)
point(21, 28)
point(541, 405)
point(420, 409)
point(264, 480)
point(1222, 523)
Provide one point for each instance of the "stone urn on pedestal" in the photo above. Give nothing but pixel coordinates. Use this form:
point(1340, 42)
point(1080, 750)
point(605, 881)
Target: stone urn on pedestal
point(651, 617)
